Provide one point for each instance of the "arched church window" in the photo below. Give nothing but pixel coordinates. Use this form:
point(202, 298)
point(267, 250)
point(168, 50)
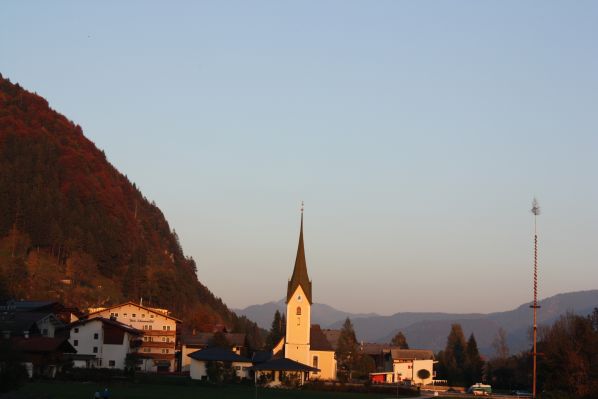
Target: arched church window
point(298, 310)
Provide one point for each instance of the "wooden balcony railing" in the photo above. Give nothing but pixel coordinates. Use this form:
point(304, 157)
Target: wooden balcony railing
point(162, 333)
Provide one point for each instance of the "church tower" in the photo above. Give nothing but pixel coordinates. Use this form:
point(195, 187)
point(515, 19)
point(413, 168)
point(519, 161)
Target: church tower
point(299, 302)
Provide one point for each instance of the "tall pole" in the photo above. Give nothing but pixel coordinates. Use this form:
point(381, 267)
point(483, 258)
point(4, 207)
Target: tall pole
point(536, 212)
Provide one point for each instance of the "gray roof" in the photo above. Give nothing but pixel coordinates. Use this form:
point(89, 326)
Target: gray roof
point(203, 339)
point(369, 348)
point(18, 322)
point(217, 354)
point(412, 354)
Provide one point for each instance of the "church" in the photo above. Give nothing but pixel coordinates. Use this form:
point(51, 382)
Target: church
point(303, 342)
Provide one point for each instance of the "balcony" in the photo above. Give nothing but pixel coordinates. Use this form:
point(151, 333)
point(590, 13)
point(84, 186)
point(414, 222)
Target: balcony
point(157, 344)
point(160, 333)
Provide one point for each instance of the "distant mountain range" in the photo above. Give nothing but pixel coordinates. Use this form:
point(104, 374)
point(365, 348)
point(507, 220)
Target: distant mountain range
point(428, 330)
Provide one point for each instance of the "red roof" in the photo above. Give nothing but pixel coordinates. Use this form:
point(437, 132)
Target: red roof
point(43, 344)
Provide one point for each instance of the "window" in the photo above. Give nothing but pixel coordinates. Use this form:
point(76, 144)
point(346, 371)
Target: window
point(164, 328)
point(45, 332)
point(95, 336)
point(76, 330)
point(145, 339)
point(298, 297)
point(149, 327)
point(111, 363)
point(315, 362)
point(76, 342)
point(298, 310)
point(124, 315)
point(146, 350)
point(143, 316)
point(151, 316)
point(95, 349)
point(168, 328)
point(133, 315)
point(164, 350)
point(163, 339)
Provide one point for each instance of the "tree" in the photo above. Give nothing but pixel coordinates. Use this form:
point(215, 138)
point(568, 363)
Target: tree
point(400, 341)
point(473, 362)
point(423, 374)
point(501, 349)
point(276, 330)
point(346, 349)
point(219, 341)
point(570, 361)
point(454, 355)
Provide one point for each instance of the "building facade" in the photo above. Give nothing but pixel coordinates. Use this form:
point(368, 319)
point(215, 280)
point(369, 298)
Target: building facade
point(158, 348)
point(102, 342)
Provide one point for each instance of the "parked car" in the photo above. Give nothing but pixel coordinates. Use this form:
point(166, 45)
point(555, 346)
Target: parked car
point(480, 389)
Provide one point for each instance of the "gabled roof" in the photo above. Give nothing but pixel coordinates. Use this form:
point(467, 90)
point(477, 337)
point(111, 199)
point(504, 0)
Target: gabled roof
point(411, 354)
point(217, 354)
point(139, 306)
point(283, 364)
point(317, 339)
point(203, 339)
point(110, 322)
point(43, 344)
point(19, 322)
point(369, 348)
point(300, 277)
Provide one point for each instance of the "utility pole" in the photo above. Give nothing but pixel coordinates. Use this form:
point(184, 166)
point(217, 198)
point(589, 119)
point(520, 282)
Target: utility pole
point(536, 211)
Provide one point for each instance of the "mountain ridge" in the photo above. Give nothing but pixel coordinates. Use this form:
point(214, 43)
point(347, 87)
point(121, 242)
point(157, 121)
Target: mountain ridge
point(429, 329)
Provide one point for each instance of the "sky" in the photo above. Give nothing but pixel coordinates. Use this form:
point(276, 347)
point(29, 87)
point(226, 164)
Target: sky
point(417, 133)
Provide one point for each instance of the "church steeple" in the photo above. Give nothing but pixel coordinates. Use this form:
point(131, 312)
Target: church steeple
point(300, 277)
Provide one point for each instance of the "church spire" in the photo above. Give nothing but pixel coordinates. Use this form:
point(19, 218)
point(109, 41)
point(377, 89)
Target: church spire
point(300, 277)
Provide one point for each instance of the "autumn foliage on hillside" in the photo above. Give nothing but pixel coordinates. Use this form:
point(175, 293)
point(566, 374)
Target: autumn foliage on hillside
point(75, 229)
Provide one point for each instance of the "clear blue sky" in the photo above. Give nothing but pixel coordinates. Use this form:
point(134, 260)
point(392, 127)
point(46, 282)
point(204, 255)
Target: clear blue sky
point(416, 132)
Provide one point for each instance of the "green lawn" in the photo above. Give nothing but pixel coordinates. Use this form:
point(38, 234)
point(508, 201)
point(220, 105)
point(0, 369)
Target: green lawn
point(78, 390)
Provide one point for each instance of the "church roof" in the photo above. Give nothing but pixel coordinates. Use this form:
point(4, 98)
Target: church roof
point(300, 277)
point(317, 339)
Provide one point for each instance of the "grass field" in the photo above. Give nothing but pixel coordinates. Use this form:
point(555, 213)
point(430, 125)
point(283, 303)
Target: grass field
point(79, 390)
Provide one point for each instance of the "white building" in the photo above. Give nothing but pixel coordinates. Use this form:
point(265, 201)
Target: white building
point(193, 342)
point(200, 359)
point(413, 365)
point(157, 351)
point(102, 342)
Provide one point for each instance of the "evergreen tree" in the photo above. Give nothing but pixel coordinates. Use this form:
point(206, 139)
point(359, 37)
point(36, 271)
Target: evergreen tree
point(454, 355)
point(346, 349)
point(276, 330)
point(473, 362)
point(400, 341)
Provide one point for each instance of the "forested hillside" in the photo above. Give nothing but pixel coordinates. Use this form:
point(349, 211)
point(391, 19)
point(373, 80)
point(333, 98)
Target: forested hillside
point(75, 229)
